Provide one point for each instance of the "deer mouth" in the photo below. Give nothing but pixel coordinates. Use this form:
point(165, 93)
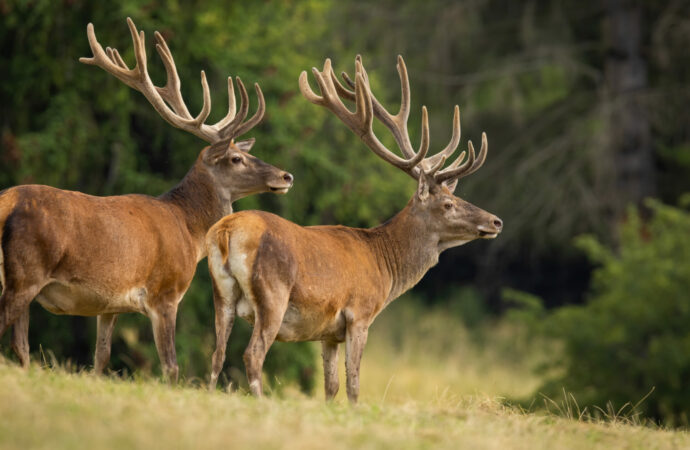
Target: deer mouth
point(279, 190)
point(487, 233)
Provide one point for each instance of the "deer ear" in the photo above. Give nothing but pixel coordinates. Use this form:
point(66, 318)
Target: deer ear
point(423, 188)
point(216, 152)
point(245, 145)
point(451, 185)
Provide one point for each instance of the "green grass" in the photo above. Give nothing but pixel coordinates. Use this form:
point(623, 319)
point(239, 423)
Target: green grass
point(427, 382)
point(45, 408)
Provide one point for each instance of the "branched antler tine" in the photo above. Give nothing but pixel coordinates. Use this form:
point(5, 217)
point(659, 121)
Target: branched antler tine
point(404, 111)
point(232, 102)
point(173, 82)
point(361, 121)
point(114, 57)
point(379, 111)
point(232, 106)
point(244, 102)
point(433, 169)
point(454, 140)
point(171, 92)
point(397, 127)
point(365, 117)
point(396, 124)
point(470, 166)
point(229, 129)
point(359, 68)
point(109, 52)
point(327, 78)
point(100, 57)
point(480, 158)
point(348, 80)
point(465, 165)
point(307, 91)
point(328, 99)
point(167, 100)
point(364, 111)
point(457, 161)
point(206, 108)
point(258, 115)
point(341, 90)
point(118, 59)
point(138, 40)
point(424, 145)
point(93, 44)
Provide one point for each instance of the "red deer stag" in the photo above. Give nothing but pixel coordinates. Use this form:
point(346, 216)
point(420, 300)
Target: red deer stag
point(328, 283)
point(84, 255)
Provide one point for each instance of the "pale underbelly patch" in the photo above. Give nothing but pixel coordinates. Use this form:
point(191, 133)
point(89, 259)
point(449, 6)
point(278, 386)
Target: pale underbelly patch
point(59, 298)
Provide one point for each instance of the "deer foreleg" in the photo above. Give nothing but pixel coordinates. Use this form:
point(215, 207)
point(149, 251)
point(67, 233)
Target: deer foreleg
point(163, 320)
point(329, 352)
point(20, 337)
point(355, 340)
point(104, 337)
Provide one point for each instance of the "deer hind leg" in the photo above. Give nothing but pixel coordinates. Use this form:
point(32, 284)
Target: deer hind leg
point(20, 337)
point(14, 303)
point(329, 352)
point(355, 340)
point(269, 313)
point(225, 294)
point(163, 318)
point(104, 337)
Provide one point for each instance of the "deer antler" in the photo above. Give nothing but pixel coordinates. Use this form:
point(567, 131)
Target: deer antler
point(361, 121)
point(397, 124)
point(167, 100)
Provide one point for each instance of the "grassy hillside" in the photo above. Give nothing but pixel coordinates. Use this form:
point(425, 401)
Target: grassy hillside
point(426, 382)
point(54, 409)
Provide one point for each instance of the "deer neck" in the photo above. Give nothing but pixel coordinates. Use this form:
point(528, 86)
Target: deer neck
point(199, 202)
point(407, 249)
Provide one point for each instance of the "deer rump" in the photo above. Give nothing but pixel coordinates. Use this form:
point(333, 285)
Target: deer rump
point(89, 255)
point(314, 274)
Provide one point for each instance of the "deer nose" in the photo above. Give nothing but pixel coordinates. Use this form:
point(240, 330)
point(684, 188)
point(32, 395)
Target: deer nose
point(288, 177)
point(498, 223)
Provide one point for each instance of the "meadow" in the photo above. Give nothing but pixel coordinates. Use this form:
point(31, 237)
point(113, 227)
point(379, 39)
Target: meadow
point(428, 381)
point(584, 123)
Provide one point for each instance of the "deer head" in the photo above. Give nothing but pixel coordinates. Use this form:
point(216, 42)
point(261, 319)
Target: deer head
point(227, 162)
point(434, 206)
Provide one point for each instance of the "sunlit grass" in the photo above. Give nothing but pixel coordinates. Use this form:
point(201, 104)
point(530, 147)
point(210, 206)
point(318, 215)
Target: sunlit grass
point(418, 355)
point(426, 382)
point(51, 408)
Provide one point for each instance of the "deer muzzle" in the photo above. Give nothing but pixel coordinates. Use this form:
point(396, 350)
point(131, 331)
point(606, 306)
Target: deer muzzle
point(282, 184)
point(491, 229)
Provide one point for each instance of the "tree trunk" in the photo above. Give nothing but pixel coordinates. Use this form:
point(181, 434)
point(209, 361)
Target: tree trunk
point(628, 123)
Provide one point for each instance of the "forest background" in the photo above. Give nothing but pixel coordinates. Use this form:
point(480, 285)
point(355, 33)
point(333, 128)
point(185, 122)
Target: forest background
point(586, 109)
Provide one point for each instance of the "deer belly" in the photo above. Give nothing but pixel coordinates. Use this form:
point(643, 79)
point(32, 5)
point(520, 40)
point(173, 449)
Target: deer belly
point(77, 300)
point(310, 326)
point(297, 325)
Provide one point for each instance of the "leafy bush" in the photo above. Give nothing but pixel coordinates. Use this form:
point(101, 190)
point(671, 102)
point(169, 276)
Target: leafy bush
point(633, 335)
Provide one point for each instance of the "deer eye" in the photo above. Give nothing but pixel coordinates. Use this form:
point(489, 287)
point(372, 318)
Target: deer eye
point(448, 206)
point(236, 160)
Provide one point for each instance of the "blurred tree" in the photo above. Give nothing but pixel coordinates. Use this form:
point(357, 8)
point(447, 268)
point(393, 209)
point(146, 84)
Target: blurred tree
point(634, 333)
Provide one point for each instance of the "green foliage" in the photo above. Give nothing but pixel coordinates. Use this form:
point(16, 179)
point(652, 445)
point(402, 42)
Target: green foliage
point(532, 74)
point(467, 304)
point(633, 335)
point(524, 307)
